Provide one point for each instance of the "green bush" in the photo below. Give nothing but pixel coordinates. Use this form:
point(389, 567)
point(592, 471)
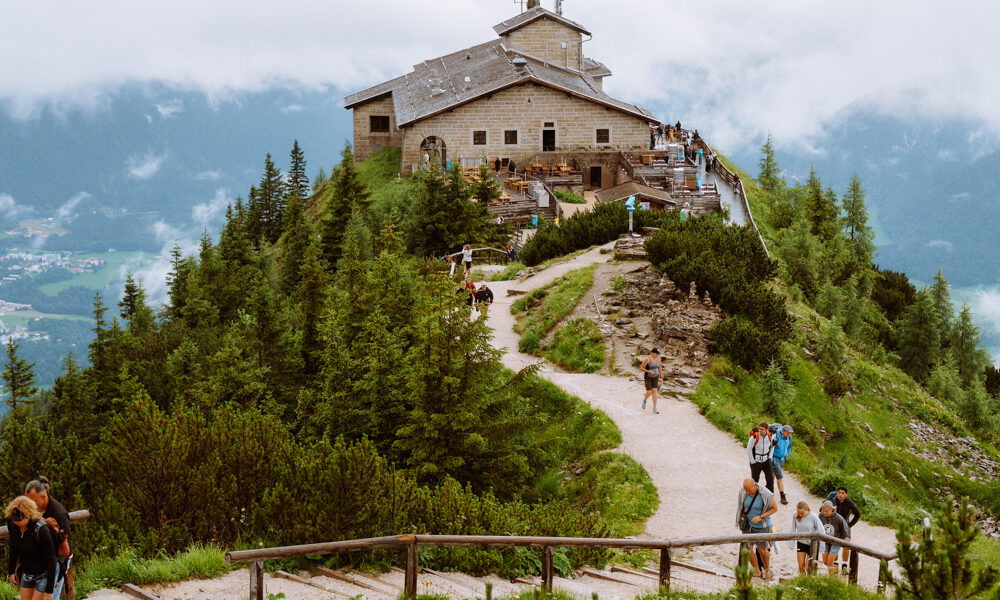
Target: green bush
point(529, 342)
point(567, 196)
point(577, 346)
point(746, 344)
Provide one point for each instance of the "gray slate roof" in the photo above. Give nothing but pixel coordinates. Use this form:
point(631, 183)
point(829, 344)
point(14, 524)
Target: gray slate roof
point(532, 15)
point(594, 68)
point(443, 83)
point(633, 188)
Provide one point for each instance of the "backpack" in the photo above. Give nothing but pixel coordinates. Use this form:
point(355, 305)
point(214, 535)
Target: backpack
point(832, 497)
point(59, 537)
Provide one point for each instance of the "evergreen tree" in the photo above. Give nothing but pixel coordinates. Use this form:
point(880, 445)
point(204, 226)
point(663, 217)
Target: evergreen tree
point(177, 282)
point(945, 383)
point(939, 565)
point(977, 409)
point(347, 192)
point(18, 381)
point(768, 177)
point(832, 355)
point(133, 307)
point(943, 307)
point(318, 180)
point(776, 390)
point(830, 302)
point(299, 234)
point(271, 198)
point(919, 337)
point(970, 359)
point(253, 225)
point(310, 300)
point(297, 183)
point(802, 254)
point(859, 235)
point(487, 189)
point(358, 230)
point(443, 217)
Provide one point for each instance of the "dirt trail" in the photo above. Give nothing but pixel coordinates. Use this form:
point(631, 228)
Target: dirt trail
point(697, 469)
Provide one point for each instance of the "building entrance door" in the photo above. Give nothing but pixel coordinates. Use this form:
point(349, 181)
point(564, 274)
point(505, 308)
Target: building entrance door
point(548, 140)
point(595, 178)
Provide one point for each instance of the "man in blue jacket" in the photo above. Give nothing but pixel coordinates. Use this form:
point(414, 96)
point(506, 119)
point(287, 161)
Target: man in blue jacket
point(782, 447)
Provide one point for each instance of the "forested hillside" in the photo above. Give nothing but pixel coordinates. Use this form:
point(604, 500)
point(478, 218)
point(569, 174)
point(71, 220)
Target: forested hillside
point(314, 377)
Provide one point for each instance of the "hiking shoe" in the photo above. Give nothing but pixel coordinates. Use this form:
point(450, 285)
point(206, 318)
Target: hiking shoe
point(783, 499)
point(643, 405)
point(655, 411)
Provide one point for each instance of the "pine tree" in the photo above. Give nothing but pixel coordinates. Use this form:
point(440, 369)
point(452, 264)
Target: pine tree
point(177, 282)
point(919, 337)
point(347, 193)
point(297, 183)
point(299, 234)
point(970, 359)
point(776, 390)
point(860, 236)
point(768, 177)
point(318, 180)
point(271, 197)
point(943, 307)
point(133, 307)
point(443, 217)
point(939, 566)
point(310, 301)
point(18, 381)
point(802, 254)
point(832, 354)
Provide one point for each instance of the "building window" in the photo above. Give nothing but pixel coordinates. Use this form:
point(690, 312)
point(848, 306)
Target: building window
point(549, 124)
point(510, 137)
point(603, 136)
point(479, 138)
point(379, 124)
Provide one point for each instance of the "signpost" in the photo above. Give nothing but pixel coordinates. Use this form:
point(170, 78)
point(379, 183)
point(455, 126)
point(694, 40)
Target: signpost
point(630, 207)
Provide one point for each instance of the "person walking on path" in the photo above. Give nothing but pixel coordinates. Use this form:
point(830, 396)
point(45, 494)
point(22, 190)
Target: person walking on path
point(835, 525)
point(804, 521)
point(484, 297)
point(753, 515)
point(57, 517)
point(467, 258)
point(760, 449)
point(851, 513)
point(652, 369)
point(782, 447)
point(32, 554)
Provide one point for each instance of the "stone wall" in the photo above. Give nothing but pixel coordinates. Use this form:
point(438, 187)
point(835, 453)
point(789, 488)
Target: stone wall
point(526, 108)
point(367, 143)
point(543, 38)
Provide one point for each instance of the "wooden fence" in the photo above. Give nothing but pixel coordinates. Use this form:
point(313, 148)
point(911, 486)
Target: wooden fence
point(76, 516)
point(411, 543)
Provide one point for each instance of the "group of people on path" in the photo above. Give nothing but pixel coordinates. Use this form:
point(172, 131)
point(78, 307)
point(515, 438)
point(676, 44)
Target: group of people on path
point(768, 447)
point(479, 298)
point(40, 556)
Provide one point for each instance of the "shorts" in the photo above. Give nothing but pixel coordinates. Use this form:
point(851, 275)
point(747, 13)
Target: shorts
point(754, 530)
point(776, 464)
point(652, 382)
point(35, 582)
point(829, 548)
point(802, 547)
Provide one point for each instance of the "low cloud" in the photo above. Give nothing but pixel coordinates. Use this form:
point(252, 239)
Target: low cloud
point(170, 108)
point(292, 108)
point(942, 244)
point(10, 210)
point(948, 155)
point(67, 208)
point(985, 303)
point(209, 176)
point(144, 167)
point(981, 144)
point(961, 196)
point(206, 212)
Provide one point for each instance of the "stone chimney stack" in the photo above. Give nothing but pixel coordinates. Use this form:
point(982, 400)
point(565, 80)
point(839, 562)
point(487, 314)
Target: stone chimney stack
point(533, 4)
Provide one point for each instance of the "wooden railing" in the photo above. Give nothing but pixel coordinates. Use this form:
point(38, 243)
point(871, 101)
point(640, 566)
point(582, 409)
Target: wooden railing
point(411, 543)
point(74, 517)
point(490, 254)
point(734, 180)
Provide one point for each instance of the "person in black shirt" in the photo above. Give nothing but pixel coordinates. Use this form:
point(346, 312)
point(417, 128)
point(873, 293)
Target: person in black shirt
point(849, 510)
point(32, 562)
point(56, 515)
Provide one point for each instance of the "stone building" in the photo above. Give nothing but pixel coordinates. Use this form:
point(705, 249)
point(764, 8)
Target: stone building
point(529, 96)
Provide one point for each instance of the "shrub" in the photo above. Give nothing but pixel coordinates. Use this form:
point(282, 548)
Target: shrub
point(529, 342)
point(567, 196)
point(744, 343)
point(578, 346)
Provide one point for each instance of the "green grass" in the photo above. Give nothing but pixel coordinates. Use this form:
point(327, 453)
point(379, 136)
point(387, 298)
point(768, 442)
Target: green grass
point(197, 562)
point(539, 311)
point(619, 489)
point(8, 592)
point(98, 280)
point(23, 317)
point(570, 197)
point(801, 588)
point(577, 346)
point(510, 272)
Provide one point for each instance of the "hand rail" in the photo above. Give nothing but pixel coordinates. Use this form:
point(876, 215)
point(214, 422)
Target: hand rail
point(76, 516)
point(410, 543)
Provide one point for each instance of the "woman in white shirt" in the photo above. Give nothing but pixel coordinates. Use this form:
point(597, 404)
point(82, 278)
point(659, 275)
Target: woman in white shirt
point(804, 521)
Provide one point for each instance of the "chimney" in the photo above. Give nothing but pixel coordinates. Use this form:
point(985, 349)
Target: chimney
point(533, 4)
point(559, 7)
point(519, 64)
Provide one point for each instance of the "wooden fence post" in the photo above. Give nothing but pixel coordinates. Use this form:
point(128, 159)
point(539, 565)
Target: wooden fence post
point(852, 562)
point(547, 569)
point(883, 572)
point(665, 570)
point(813, 556)
point(412, 567)
point(257, 580)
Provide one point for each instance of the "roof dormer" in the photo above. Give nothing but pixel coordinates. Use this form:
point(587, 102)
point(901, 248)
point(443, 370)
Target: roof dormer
point(545, 35)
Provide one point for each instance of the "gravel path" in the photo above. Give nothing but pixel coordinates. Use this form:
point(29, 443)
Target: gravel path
point(697, 469)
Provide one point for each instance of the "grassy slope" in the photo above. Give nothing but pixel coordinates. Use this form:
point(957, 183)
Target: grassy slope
point(889, 483)
point(540, 310)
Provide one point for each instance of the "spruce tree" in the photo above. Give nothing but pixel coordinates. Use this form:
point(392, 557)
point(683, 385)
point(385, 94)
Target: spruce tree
point(919, 337)
point(802, 253)
point(970, 359)
point(945, 383)
point(133, 308)
point(859, 235)
point(310, 300)
point(776, 390)
point(943, 308)
point(297, 183)
point(832, 354)
point(768, 176)
point(443, 217)
point(271, 199)
point(347, 192)
point(977, 409)
point(318, 180)
point(18, 381)
point(299, 234)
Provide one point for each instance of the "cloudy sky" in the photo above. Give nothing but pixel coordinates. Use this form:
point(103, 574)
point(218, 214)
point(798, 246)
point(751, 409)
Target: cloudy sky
point(741, 67)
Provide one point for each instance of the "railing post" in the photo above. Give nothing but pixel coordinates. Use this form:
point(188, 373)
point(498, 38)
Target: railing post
point(547, 569)
point(852, 562)
point(883, 572)
point(412, 566)
point(257, 580)
point(665, 570)
point(813, 555)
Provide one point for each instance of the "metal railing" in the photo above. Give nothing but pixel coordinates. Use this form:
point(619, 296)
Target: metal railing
point(411, 543)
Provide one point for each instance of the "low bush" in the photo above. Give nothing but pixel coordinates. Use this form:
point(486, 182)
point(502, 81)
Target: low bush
point(567, 196)
point(577, 346)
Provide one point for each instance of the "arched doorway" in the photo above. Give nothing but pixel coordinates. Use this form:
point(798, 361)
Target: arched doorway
point(433, 152)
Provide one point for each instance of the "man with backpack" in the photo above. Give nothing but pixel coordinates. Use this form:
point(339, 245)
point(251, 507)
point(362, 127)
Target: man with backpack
point(782, 447)
point(847, 509)
point(760, 449)
point(57, 518)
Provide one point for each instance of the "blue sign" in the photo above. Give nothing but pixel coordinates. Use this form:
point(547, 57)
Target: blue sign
point(630, 204)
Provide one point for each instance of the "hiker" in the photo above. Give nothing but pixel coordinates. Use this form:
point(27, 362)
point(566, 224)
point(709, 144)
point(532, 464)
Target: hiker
point(511, 253)
point(760, 449)
point(835, 525)
point(484, 297)
point(804, 521)
point(782, 446)
point(448, 258)
point(753, 515)
point(32, 560)
point(57, 517)
point(497, 164)
point(851, 513)
point(685, 211)
point(652, 368)
point(467, 257)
